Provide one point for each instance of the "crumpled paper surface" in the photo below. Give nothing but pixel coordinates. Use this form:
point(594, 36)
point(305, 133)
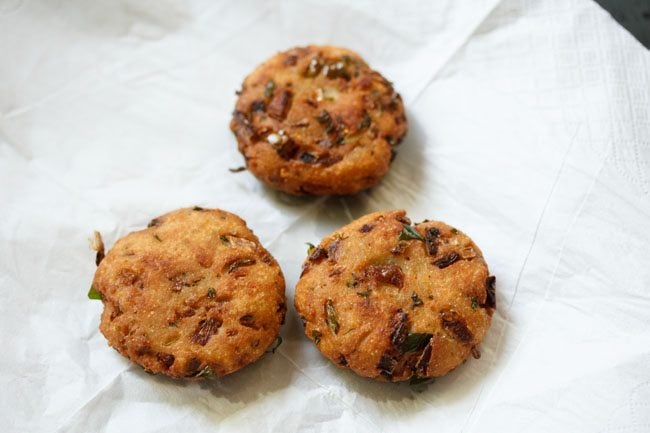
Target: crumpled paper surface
point(529, 130)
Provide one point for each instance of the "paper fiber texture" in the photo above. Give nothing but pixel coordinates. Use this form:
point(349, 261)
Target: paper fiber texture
point(529, 130)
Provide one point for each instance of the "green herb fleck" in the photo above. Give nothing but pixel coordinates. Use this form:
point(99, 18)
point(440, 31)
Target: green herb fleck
point(325, 119)
point(276, 344)
point(416, 301)
point(156, 237)
point(332, 318)
point(310, 247)
point(224, 240)
point(364, 122)
point(198, 208)
point(414, 381)
point(212, 293)
point(474, 303)
point(364, 294)
point(206, 372)
point(408, 232)
point(454, 231)
point(316, 335)
point(237, 169)
point(239, 263)
point(415, 341)
point(269, 88)
point(352, 282)
point(94, 294)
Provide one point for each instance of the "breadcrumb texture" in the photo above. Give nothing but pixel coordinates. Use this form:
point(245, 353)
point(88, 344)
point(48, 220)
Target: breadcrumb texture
point(193, 295)
point(395, 301)
point(318, 120)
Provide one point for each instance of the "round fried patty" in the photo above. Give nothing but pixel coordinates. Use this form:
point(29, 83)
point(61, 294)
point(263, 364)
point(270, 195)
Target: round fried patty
point(317, 120)
point(395, 301)
point(193, 295)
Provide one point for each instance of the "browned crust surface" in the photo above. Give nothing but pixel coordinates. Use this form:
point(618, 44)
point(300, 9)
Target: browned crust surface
point(192, 295)
point(394, 309)
point(318, 120)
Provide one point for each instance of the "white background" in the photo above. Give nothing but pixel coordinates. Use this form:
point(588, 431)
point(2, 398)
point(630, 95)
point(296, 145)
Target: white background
point(529, 130)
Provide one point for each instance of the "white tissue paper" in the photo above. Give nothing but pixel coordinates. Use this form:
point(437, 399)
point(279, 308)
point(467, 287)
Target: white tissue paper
point(529, 130)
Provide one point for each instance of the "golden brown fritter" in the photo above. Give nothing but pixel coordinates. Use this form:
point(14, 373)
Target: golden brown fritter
point(395, 301)
point(317, 120)
point(193, 295)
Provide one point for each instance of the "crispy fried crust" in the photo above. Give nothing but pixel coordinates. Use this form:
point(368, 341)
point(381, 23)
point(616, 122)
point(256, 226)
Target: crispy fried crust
point(193, 295)
point(394, 309)
point(317, 120)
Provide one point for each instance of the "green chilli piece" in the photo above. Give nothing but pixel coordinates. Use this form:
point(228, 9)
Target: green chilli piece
point(408, 233)
point(332, 318)
point(94, 294)
point(415, 341)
